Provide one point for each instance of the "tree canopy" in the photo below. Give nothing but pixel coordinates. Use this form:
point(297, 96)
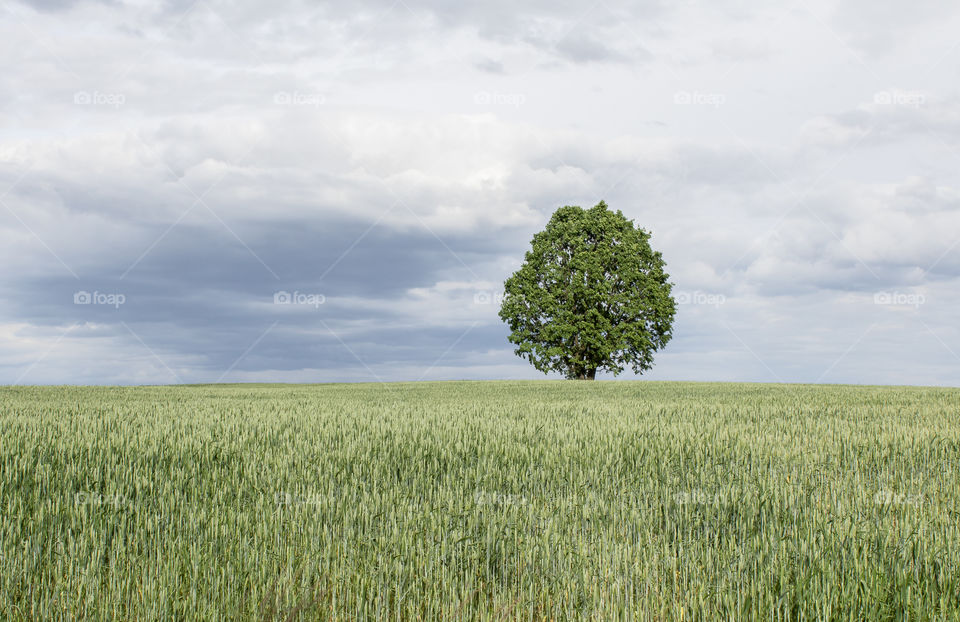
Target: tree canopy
point(591, 295)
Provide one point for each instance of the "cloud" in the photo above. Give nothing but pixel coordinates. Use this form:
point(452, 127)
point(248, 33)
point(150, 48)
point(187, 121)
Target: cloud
point(881, 28)
point(394, 159)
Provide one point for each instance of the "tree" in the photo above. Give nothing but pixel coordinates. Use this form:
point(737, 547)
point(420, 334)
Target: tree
point(591, 295)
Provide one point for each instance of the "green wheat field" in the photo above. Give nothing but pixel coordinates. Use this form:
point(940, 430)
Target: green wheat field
point(534, 500)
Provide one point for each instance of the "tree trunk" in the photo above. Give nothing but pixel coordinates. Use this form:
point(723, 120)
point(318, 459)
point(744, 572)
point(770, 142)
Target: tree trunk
point(592, 373)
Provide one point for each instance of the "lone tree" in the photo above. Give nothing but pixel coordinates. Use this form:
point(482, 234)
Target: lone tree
point(591, 294)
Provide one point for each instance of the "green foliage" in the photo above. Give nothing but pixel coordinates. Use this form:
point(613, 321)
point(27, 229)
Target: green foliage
point(480, 501)
point(591, 295)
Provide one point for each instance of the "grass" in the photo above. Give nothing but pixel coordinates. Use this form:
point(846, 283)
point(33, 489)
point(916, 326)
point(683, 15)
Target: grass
point(480, 500)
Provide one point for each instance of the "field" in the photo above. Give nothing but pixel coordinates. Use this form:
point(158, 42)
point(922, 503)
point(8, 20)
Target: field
point(480, 500)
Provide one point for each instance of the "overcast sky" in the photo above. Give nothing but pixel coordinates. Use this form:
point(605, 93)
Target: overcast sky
point(302, 192)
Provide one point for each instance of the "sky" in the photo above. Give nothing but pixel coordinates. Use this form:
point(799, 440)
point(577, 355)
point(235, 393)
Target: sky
point(208, 191)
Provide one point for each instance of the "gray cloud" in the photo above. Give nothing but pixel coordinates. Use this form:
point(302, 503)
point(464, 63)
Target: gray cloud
point(396, 158)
